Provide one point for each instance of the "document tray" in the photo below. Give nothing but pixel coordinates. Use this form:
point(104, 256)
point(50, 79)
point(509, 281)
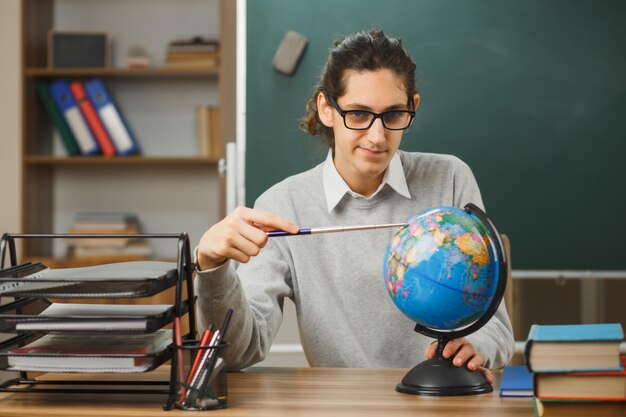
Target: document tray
point(115, 280)
point(37, 315)
point(86, 353)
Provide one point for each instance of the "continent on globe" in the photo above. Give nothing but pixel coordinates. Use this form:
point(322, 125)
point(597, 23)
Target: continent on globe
point(441, 270)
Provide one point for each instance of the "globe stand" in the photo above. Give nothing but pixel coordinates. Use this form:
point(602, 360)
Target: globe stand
point(440, 377)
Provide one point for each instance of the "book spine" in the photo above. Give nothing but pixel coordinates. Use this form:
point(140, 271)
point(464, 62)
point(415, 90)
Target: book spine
point(67, 105)
point(112, 119)
point(527, 350)
point(537, 408)
point(203, 126)
point(93, 121)
point(528, 346)
point(68, 139)
point(217, 143)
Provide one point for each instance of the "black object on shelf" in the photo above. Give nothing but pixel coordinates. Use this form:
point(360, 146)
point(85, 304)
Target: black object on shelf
point(92, 282)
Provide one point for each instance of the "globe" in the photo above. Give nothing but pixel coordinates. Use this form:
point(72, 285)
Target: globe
point(441, 270)
point(446, 271)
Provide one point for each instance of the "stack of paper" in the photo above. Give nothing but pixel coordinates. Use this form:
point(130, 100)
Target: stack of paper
point(90, 352)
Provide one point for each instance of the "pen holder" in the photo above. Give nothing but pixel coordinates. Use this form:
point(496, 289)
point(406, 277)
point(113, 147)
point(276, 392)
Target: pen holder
point(201, 376)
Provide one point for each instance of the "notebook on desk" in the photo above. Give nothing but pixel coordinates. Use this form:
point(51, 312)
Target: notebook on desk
point(517, 381)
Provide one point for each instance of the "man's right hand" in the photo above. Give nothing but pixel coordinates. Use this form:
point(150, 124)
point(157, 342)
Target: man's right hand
point(239, 236)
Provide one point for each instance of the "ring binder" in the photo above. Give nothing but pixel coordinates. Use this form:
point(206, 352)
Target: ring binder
point(31, 283)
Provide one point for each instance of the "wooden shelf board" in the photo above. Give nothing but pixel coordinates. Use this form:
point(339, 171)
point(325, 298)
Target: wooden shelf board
point(120, 160)
point(121, 72)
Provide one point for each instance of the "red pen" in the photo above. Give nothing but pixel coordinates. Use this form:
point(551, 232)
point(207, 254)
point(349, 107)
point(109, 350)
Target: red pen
point(206, 336)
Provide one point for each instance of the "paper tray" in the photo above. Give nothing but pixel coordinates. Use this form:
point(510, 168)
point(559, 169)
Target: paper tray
point(81, 362)
point(96, 289)
point(24, 316)
point(117, 280)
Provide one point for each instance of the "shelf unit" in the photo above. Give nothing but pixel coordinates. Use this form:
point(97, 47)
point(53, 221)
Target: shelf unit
point(52, 183)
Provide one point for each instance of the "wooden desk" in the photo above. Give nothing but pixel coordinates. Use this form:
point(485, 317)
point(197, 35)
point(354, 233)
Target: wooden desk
point(271, 392)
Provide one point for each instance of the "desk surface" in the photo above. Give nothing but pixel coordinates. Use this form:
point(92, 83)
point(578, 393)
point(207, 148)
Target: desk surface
point(265, 392)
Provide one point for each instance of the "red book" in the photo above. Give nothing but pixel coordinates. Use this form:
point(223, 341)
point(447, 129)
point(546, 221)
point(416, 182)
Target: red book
point(89, 112)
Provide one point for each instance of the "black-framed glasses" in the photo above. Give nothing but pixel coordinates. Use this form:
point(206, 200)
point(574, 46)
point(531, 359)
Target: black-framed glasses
point(363, 119)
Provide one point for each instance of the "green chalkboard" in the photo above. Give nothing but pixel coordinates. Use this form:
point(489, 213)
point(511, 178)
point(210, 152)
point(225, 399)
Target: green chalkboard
point(531, 94)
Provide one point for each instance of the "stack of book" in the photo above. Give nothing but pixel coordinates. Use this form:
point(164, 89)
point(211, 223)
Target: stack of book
point(88, 121)
point(577, 370)
point(196, 52)
point(117, 248)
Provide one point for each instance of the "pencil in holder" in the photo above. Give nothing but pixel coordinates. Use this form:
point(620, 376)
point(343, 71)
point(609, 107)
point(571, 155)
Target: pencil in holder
point(201, 376)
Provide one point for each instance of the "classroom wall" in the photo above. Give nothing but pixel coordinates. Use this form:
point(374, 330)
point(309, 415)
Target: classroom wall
point(10, 114)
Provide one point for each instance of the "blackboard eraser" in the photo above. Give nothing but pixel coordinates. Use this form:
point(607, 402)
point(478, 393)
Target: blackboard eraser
point(289, 52)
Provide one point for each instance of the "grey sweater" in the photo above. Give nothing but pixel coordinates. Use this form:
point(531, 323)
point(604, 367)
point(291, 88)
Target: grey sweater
point(346, 317)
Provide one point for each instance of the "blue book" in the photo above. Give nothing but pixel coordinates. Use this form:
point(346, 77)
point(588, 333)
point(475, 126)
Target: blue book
point(517, 381)
point(114, 123)
point(68, 107)
point(574, 347)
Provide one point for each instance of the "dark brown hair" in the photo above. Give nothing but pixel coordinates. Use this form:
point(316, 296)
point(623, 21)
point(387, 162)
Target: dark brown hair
point(361, 51)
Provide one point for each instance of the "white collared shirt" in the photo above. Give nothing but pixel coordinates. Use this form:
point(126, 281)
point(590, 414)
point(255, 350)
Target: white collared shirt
point(335, 187)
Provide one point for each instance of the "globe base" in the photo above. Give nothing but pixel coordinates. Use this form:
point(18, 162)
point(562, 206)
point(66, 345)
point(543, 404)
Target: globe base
point(439, 377)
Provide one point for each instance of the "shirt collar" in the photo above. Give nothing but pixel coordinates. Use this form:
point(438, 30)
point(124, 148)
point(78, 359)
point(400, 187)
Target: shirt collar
point(335, 187)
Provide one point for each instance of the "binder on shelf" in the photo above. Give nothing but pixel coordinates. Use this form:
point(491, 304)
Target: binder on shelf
point(111, 118)
point(93, 121)
point(63, 98)
point(59, 122)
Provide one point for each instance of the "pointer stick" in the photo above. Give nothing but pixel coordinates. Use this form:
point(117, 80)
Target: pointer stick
point(316, 230)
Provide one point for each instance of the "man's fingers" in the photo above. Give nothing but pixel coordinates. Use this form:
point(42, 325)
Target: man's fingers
point(429, 353)
point(463, 354)
point(476, 362)
point(452, 346)
point(487, 373)
point(461, 351)
point(238, 236)
point(265, 220)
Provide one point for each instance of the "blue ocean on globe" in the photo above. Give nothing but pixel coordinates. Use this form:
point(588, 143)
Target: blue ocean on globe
point(441, 270)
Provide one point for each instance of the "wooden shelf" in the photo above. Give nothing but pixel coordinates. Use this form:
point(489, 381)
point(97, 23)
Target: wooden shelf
point(160, 102)
point(121, 72)
point(121, 160)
